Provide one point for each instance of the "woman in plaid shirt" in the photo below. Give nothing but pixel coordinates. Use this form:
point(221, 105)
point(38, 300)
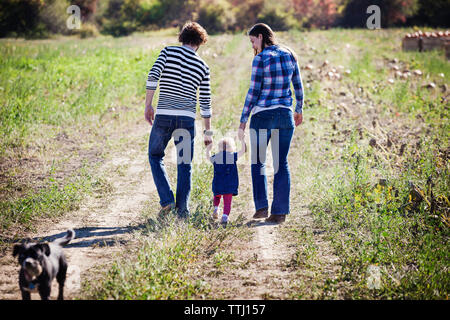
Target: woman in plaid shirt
point(269, 100)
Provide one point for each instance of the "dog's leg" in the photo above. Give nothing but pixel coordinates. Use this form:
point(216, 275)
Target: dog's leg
point(61, 278)
point(25, 294)
point(61, 290)
point(44, 290)
point(23, 284)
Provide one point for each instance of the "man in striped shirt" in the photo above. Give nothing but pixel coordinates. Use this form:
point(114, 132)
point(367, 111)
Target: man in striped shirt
point(181, 73)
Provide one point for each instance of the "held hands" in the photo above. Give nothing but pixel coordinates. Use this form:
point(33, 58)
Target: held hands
point(241, 131)
point(241, 137)
point(207, 135)
point(208, 141)
point(149, 114)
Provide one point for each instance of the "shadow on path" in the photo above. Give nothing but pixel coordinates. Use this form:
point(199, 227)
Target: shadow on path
point(89, 236)
point(106, 236)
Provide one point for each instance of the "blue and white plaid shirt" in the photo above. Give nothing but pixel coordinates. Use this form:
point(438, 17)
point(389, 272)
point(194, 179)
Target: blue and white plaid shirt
point(273, 69)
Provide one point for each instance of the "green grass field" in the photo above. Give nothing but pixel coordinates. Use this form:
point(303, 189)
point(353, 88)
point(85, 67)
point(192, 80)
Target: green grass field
point(370, 161)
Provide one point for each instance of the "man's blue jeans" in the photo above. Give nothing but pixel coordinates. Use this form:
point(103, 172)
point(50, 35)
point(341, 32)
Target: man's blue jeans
point(182, 128)
point(277, 126)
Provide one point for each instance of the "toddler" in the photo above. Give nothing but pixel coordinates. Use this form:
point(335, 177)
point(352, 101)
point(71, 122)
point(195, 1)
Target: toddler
point(226, 181)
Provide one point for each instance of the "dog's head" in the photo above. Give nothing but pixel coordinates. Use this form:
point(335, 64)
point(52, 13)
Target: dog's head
point(31, 258)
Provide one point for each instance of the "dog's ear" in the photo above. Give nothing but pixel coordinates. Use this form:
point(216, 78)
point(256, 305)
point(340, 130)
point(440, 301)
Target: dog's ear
point(18, 248)
point(44, 247)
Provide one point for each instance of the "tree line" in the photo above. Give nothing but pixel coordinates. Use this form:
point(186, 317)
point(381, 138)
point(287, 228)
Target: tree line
point(41, 18)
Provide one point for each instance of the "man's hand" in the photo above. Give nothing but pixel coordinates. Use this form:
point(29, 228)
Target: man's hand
point(208, 140)
point(298, 118)
point(149, 114)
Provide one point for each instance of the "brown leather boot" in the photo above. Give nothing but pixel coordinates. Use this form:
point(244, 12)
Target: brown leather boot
point(261, 213)
point(276, 218)
point(164, 212)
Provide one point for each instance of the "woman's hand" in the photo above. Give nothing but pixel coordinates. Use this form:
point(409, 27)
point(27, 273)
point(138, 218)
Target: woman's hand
point(298, 118)
point(149, 114)
point(241, 131)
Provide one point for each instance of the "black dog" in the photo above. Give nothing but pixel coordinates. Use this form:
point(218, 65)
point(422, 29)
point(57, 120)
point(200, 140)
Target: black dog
point(40, 264)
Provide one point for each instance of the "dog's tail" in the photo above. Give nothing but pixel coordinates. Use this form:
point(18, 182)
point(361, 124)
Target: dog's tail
point(64, 241)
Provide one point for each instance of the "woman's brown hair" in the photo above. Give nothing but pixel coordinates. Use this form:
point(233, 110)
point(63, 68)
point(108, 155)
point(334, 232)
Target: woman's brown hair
point(268, 37)
point(193, 34)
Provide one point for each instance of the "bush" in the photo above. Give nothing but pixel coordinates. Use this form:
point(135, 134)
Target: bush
point(215, 16)
point(33, 18)
point(433, 13)
point(122, 17)
point(88, 8)
point(316, 14)
point(88, 30)
point(119, 18)
point(150, 12)
point(178, 11)
point(19, 17)
point(53, 16)
point(277, 18)
point(246, 13)
point(118, 28)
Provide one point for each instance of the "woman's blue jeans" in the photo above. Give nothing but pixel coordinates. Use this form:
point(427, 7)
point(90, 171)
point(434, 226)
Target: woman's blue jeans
point(182, 128)
point(276, 126)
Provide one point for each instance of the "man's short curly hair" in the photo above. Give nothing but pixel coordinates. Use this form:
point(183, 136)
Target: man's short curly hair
point(193, 34)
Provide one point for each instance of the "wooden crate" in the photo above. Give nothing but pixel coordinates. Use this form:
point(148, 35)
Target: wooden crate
point(410, 44)
point(447, 48)
point(432, 43)
point(424, 43)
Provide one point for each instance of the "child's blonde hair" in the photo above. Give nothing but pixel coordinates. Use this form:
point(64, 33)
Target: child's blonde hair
point(226, 144)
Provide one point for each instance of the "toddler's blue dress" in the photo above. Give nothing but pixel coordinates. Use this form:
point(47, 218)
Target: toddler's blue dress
point(226, 179)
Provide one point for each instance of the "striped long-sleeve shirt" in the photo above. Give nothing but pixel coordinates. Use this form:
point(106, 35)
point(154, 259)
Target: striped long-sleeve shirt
point(181, 72)
point(273, 70)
